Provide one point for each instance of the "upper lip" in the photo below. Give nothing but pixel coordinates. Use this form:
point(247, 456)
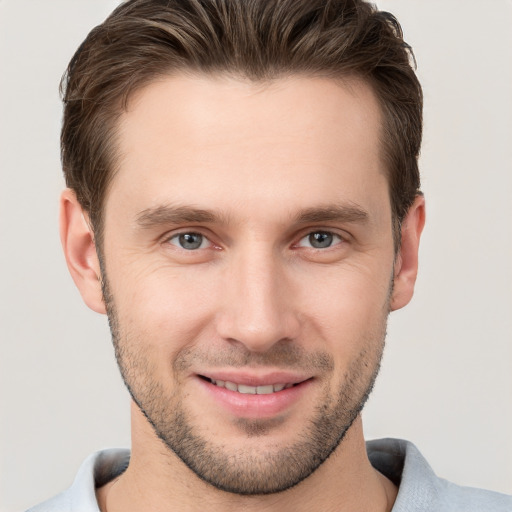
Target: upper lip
point(254, 379)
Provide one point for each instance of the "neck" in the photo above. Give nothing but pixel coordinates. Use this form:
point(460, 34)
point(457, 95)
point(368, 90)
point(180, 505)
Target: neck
point(159, 481)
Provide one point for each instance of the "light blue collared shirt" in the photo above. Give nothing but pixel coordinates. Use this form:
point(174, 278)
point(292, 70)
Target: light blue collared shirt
point(420, 490)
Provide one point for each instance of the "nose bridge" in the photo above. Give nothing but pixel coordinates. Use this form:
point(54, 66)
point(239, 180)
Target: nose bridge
point(258, 311)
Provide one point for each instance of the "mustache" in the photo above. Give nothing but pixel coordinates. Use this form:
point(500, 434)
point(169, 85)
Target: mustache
point(284, 355)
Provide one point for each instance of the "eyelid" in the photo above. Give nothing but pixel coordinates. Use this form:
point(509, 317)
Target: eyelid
point(204, 244)
point(166, 239)
point(343, 237)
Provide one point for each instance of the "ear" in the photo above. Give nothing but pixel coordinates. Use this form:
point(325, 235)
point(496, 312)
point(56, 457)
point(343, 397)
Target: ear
point(406, 263)
point(80, 251)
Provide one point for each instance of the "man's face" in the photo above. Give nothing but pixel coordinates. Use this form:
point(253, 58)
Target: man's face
point(248, 263)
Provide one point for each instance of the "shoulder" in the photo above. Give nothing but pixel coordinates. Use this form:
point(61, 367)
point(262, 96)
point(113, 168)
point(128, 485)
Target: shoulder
point(457, 498)
point(96, 470)
point(421, 490)
point(59, 503)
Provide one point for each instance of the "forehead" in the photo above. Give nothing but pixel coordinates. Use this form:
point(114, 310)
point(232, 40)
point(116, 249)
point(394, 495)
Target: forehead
point(234, 142)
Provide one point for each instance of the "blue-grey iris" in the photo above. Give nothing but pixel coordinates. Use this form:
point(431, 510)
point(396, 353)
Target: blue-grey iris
point(320, 239)
point(190, 241)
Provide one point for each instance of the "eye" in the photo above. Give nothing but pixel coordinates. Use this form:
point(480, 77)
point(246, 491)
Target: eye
point(320, 240)
point(189, 241)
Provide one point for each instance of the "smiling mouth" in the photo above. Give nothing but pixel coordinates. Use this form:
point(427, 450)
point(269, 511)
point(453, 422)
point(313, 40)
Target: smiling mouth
point(250, 390)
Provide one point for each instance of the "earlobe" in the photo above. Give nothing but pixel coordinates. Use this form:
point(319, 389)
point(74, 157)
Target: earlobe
point(406, 264)
point(80, 251)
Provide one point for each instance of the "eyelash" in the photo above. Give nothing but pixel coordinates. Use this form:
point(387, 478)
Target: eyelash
point(321, 232)
point(177, 236)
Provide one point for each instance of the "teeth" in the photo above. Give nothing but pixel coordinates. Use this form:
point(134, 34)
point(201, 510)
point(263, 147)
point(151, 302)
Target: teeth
point(231, 386)
point(251, 390)
point(247, 390)
point(264, 390)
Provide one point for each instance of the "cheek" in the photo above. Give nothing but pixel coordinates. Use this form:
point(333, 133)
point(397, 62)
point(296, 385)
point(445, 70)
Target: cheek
point(164, 308)
point(350, 309)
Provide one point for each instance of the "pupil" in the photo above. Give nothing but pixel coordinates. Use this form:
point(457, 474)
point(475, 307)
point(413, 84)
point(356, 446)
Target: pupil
point(320, 240)
point(191, 240)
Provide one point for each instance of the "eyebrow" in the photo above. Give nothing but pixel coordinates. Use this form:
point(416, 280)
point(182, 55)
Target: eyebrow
point(175, 215)
point(350, 213)
point(161, 215)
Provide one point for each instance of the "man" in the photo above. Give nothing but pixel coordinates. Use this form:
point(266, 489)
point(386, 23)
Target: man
point(244, 204)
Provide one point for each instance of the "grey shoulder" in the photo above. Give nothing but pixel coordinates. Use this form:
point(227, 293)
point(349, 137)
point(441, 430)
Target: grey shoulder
point(421, 490)
point(456, 498)
point(96, 470)
point(59, 503)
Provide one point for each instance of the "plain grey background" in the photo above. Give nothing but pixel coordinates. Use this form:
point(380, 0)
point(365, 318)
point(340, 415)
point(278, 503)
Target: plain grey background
point(446, 382)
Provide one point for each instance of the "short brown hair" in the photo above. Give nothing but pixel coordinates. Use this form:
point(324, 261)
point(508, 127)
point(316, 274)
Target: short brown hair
point(255, 39)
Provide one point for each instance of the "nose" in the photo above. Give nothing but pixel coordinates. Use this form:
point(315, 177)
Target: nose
point(258, 304)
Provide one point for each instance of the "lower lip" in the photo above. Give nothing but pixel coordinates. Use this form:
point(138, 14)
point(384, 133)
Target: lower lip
point(256, 406)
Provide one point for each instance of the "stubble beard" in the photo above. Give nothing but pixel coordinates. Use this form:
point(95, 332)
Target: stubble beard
point(246, 471)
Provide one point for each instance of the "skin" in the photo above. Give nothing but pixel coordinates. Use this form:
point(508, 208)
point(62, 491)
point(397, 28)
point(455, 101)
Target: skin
point(256, 297)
